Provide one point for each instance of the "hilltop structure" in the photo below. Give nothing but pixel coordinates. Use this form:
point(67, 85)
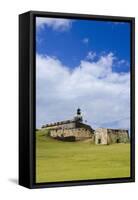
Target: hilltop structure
point(71, 128)
point(75, 129)
point(109, 136)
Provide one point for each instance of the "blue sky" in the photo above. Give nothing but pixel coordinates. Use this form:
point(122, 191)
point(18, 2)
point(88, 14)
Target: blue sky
point(102, 36)
point(88, 59)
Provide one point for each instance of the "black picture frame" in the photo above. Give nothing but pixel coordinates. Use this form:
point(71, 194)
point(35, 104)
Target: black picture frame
point(27, 99)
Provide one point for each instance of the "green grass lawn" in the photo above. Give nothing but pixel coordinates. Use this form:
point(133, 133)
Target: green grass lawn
point(64, 161)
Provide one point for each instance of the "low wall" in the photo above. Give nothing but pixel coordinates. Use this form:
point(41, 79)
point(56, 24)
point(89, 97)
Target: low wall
point(108, 136)
point(101, 136)
point(120, 136)
point(79, 133)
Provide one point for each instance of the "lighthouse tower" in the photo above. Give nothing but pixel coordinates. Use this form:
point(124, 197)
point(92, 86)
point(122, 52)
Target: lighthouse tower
point(78, 116)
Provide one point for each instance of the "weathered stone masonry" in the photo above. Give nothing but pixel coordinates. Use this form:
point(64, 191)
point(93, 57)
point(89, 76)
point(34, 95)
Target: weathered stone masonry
point(108, 136)
point(70, 128)
point(80, 131)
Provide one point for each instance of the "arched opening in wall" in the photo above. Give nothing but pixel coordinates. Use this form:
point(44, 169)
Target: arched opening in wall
point(117, 141)
point(99, 141)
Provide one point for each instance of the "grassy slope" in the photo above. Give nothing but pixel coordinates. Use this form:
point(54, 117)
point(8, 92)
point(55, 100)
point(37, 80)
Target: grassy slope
point(62, 161)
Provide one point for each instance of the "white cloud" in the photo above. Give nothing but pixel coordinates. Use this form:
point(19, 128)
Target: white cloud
point(103, 95)
point(123, 62)
point(85, 40)
point(116, 23)
point(91, 55)
point(55, 23)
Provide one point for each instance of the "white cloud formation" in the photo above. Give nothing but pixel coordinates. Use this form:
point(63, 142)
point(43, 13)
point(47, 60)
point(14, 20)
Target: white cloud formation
point(85, 40)
point(55, 23)
point(103, 95)
point(123, 62)
point(91, 55)
point(119, 22)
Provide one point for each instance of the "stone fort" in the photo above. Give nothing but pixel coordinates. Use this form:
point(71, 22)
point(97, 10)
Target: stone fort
point(75, 130)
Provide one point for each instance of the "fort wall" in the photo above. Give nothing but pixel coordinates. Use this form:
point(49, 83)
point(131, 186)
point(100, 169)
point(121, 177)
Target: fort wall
point(108, 136)
point(61, 125)
point(101, 136)
point(79, 133)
